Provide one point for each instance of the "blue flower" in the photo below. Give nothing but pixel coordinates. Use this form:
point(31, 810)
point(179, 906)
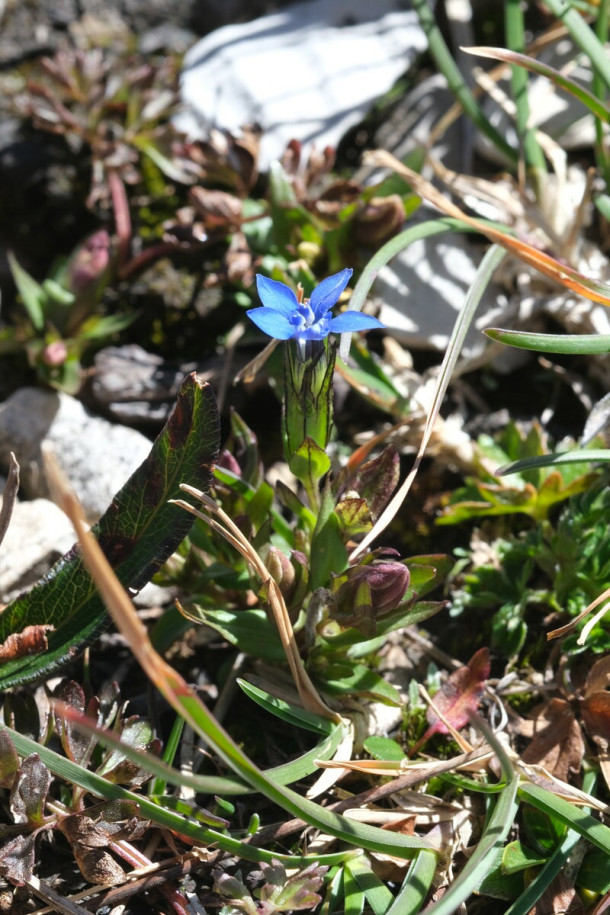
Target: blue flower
point(284, 317)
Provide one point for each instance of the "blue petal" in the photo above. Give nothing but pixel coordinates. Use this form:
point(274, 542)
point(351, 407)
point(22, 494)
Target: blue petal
point(272, 322)
point(353, 321)
point(328, 291)
point(276, 295)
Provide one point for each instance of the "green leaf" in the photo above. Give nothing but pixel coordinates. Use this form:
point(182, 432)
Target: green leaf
point(309, 461)
point(32, 294)
point(97, 326)
point(384, 748)
point(56, 292)
point(573, 817)
point(377, 893)
point(518, 857)
point(249, 630)
point(594, 874)
point(344, 680)
point(286, 712)
point(582, 456)
point(587, 344)
point(138, 533)
point(328, 554)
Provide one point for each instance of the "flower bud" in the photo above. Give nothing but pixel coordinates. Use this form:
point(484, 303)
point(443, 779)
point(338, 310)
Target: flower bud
point(368, 591)
point(54, 353)
point(89, 262)
point(228, 462)
point(291, 575)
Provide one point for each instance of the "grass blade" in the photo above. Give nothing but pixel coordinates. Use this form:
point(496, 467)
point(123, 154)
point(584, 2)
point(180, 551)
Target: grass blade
point(492, 259)
point(575, 818)
point(416, 886)
point(585, 344)
point(597, 108)
point(582, 456)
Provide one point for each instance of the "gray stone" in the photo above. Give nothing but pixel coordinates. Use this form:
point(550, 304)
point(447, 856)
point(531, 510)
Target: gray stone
point(97, 456)
point(309, 72)
point(38, 535)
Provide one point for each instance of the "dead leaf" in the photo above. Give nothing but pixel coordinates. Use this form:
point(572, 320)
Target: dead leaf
point(29, 792)
point(595, 710)
point(32, 640)
point(458, 697)
point(557, 742)
point(17, 857)
point(560, 898)
point(598, 677)
point(98, 866)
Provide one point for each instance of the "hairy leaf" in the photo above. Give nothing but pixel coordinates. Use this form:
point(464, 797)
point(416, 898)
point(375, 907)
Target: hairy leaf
point(29, 794)
point(17, 859)
point(138, 532)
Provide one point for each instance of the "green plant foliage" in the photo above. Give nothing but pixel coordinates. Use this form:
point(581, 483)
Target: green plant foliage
point(534, 491)
point(138, 533)
point(557, 566)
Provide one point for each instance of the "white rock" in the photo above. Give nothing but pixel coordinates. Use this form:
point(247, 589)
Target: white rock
point(423, 289)
point(308, 72)
point(97, 456)
point(38, 535)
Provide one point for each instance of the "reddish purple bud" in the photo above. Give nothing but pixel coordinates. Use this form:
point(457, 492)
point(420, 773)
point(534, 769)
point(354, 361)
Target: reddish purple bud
point(228, 462)
point(387, 582)
point(89, 262)
point(55, 353)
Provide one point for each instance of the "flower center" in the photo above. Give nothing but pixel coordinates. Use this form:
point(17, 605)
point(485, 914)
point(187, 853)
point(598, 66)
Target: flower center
point(304, 319)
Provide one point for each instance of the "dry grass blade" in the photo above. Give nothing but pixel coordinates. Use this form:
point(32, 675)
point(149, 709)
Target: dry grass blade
point(9, 495)
point(569, 627)
point(226, 528)
point(57, 902)
point(413, 773)
point(119, 605)
point(561, 273)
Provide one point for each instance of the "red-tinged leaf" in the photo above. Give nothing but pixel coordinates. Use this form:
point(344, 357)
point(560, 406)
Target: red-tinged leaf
point(17, 858)
point(139, 531)
point(376, 480)
point(29, 794)
point(31, 640)
point(458, 697)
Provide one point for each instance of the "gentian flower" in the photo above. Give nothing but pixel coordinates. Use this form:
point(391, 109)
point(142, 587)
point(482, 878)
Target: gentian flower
point(286, 316)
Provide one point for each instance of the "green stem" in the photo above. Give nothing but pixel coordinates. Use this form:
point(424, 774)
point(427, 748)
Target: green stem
point(448, 67)
point(515, 39)
point(599, 89)
point(582, 35)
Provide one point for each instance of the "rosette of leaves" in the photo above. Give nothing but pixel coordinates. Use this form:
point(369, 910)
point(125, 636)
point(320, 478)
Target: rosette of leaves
point(115, 110)
point(41, 805)
point(531, 579)
point(59, 319)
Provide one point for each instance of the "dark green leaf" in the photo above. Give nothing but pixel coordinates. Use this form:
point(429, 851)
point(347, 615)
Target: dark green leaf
point(138, 533)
